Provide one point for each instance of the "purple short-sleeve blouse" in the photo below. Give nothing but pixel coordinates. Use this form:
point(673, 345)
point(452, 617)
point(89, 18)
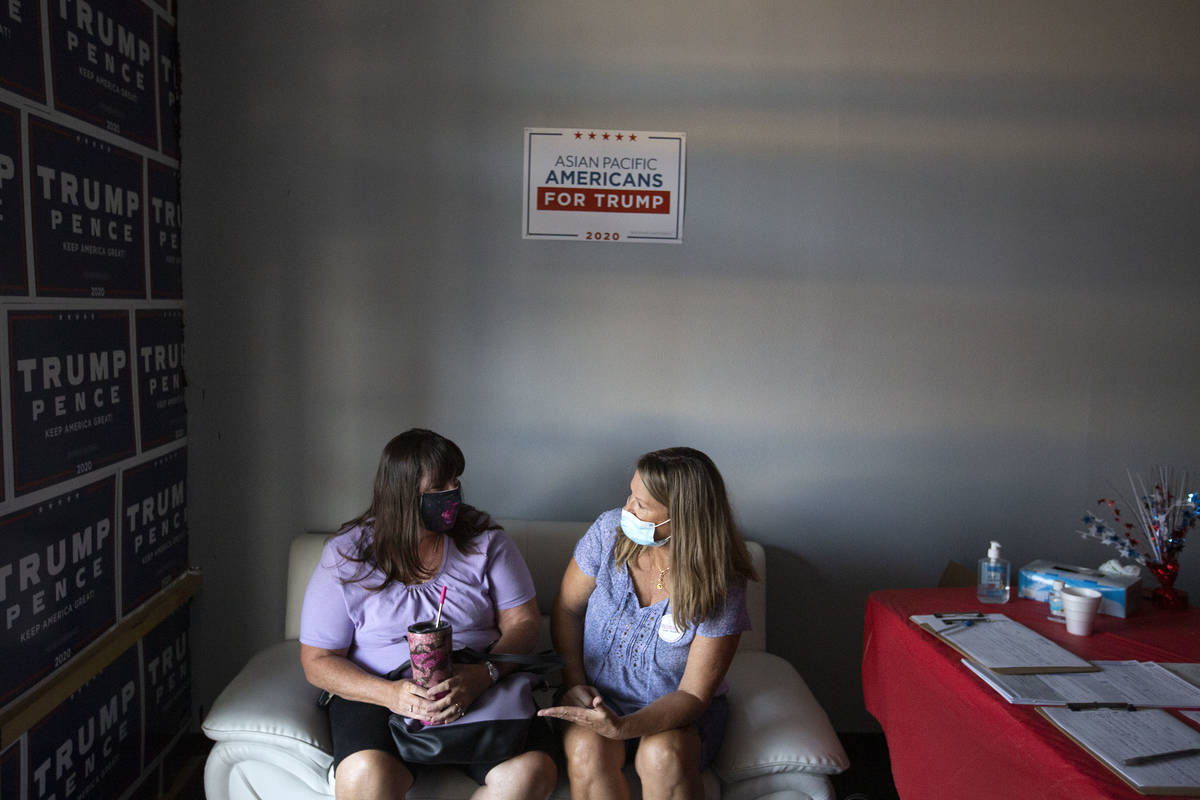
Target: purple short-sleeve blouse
point(633, 654)
point(374, 624)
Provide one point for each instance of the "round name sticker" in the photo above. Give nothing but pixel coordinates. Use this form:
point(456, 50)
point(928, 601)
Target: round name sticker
point(667, 630)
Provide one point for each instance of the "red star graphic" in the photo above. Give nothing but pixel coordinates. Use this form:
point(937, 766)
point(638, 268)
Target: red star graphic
point(633, 137)
point(606, 137)
point(578, 135)
point(592, 135)
point(619, 137)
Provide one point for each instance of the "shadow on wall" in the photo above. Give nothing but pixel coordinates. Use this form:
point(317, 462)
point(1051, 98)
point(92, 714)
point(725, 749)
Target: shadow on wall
point(798, 594)
point(906, 273)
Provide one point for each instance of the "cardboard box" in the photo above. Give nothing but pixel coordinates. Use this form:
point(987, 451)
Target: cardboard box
point(1119, 594)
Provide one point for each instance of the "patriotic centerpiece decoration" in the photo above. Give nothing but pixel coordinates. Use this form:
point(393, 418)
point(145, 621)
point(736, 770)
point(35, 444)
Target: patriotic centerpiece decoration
point(1152, 529)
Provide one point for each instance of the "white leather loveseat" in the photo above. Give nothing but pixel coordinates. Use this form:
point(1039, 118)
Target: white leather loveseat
point(272, 741)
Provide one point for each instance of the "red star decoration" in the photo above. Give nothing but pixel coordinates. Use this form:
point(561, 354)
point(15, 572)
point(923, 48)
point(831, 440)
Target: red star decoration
point(606, 137)
point(578, 135)
point(619, 137)
point(592, 135)
point(632, 137)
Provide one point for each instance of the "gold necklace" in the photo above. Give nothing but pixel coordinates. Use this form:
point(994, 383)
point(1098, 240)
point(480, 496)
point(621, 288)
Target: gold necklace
point(662, 574)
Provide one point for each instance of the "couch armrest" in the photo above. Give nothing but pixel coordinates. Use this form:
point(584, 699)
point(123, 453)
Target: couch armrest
point(775, 724)
point(270, 702)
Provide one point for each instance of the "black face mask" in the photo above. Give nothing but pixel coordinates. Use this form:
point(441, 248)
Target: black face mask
point(439, 510)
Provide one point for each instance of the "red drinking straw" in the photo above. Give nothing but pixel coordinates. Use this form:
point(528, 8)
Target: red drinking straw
point(438, 622)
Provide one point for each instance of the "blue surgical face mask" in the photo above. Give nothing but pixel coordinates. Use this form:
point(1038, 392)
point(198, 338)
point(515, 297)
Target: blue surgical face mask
point(641, 532)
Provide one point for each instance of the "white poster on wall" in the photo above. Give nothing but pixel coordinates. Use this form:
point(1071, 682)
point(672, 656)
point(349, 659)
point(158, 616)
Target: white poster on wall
point(595, 185)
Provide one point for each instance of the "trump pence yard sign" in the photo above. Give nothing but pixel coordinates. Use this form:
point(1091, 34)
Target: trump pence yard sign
point(595, 185)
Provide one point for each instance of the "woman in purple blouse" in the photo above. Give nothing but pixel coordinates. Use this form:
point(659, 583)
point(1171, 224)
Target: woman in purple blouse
point(384, 571)
point(648, 617)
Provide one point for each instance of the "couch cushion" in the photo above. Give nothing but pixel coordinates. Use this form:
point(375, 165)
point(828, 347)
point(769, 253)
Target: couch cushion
point(775, 723)
point(303, 556)
point(270, 701)
point(547, 547)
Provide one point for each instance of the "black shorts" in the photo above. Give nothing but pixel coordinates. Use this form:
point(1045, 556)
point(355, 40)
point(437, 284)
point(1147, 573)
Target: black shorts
point(364, 726)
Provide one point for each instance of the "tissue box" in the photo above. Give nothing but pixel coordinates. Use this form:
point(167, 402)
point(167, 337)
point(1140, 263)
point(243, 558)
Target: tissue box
point(1119, 594)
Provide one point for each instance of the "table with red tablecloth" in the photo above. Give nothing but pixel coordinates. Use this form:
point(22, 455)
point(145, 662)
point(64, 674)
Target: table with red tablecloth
point(951, 735)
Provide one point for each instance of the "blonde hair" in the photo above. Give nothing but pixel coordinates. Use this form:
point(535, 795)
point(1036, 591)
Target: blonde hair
point(707, 549)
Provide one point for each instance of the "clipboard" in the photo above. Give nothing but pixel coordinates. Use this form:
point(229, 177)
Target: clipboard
point(1045, 657)
point(1139, 778)
point(1145, 684)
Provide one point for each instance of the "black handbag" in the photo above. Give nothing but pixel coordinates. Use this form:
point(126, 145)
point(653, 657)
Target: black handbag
point(495, 728)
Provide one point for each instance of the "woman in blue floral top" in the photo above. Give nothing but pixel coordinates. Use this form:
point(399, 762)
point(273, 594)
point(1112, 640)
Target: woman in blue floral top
point(648, 618)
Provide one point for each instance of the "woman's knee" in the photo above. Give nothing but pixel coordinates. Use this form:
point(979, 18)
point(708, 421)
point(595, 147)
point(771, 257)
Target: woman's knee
point(534, 774)
point(371, 773)
point(671, 756)
point(589, 753)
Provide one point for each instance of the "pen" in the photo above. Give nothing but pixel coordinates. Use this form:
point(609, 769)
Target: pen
point(1134, 761)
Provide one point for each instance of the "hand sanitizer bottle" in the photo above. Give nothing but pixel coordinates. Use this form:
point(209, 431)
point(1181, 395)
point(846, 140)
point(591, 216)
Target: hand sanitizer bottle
point(1056, 609)
point(993, 577)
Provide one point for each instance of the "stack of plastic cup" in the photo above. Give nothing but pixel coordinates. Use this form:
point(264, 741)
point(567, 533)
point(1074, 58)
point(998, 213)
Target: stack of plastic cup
point(1079, 607)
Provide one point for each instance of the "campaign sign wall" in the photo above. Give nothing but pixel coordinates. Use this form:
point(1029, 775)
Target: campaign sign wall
point(57, 582)
point(10, 771)
point(168, 88)
point(159, 354)
point(603, 186)
point(13, 278)
point(166, 224)
point(148, 788)
point(102, 56)
point(167, 682)
point(70, 375)
point(87, 215)
point(90, 746)
point(154, 534)
point(21, 68)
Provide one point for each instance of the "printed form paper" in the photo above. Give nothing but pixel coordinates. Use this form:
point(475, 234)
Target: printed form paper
point(1140, 683)
point(1189, 671)
point(1114, 735)
point(999, 643)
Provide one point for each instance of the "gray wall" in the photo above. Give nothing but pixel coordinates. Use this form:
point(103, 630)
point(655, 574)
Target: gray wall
point(937, 284)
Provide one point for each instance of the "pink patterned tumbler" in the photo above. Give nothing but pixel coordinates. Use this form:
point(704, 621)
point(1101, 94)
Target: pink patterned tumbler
point(429, 649)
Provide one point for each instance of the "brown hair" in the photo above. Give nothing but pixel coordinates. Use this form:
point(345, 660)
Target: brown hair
point(707, 549)
point(395, 511)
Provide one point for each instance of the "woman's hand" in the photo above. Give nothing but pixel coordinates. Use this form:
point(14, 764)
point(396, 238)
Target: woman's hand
point(595, 715)
point(461, 690)
point(580, 695)
point(410, 699)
